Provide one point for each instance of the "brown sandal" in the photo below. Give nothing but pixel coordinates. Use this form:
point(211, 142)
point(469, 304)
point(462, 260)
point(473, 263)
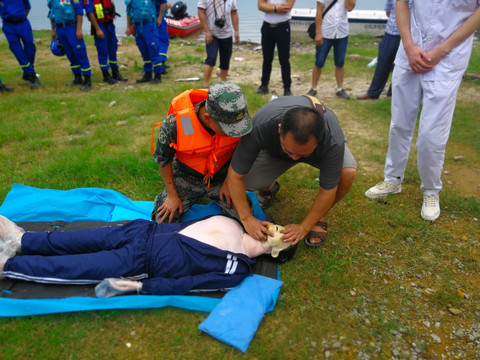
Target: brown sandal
point(317, 234)
point(265, 197)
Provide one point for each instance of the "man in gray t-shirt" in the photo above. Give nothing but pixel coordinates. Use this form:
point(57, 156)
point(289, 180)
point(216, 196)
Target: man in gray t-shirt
point(288, 131)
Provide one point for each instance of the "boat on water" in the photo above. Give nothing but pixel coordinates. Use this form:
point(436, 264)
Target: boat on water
point(366, 22)
point(183, 27)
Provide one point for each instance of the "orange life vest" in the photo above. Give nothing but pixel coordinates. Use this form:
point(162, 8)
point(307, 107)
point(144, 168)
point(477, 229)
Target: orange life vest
point(195, 147)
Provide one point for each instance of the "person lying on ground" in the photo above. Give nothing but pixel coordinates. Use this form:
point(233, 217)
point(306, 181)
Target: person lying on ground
point(140, 256)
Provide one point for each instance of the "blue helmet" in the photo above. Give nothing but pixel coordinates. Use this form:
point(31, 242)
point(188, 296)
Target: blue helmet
point(57, 48)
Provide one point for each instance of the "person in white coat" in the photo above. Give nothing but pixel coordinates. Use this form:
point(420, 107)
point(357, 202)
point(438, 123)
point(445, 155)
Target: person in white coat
point(437, 38)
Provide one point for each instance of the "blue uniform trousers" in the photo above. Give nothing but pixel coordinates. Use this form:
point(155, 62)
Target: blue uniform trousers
point(107, 47)
point(146, 37)
point(21, 42)
point(164, 39)
point(75, 49)
point(387, 50)
point(84, 256)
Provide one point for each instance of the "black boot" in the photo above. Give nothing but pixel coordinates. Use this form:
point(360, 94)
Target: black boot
point(87, 83)
point(107, 78)
point(33, 79)
point(164, 68)
point(77, 80)
point(5, 88)
point(157, 79)
point(147, 76)
point(117, 76)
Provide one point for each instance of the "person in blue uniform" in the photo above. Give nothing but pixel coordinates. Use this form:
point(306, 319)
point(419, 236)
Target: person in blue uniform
point(18, 31)
point(143, 16)
point(214, 253)
point(162, 7)
point(5, 88)
point(106, 42)
point(66, 18)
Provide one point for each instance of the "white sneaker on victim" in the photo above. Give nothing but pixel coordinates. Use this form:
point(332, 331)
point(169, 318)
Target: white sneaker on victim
point(430, 207)
point(10, 237)
point(382, 189)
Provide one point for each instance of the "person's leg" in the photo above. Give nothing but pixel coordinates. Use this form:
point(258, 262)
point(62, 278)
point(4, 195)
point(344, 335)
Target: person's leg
point(29, 42)
point(265, 171)
point(339, 53)
point(282, 35)
point(13, 34)
point(321, 53)
point(225, 50)
point(66, 36)
point(153, 48)
point(387, 49)
point(190, 189)
point(268, 51)
point(318, 233)
point(143, 48)
point(212, 51)
point(433, 132)
point(407, 96)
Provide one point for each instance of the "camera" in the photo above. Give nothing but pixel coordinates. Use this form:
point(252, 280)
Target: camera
point(220, 22)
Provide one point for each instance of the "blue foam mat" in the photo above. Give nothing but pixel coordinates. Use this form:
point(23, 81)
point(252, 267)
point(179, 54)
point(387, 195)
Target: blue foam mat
point(25, 203)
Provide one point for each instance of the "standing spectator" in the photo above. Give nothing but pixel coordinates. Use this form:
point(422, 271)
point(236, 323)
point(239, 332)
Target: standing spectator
point(18, 31)
point(66, 20)
point(276, 31)
point(106, 40)
point(437, 38)
point(5, 88)
point(331, 29)
point(162, 7)
point(143, 16)
point(387, 49)
point(217, 18)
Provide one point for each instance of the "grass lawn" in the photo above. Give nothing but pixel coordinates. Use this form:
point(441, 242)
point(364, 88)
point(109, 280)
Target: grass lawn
point(382, 287)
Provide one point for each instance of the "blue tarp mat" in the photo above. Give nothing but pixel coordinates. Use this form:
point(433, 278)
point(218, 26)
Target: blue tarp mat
point(25, 203)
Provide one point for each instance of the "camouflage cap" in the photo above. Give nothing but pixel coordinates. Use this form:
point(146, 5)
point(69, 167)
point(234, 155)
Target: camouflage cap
point(228, 107)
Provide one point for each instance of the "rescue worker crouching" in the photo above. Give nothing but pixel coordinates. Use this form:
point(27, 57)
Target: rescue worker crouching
point(194, 148)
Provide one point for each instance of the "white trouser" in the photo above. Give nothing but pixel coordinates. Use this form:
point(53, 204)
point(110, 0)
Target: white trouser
point(439, 97)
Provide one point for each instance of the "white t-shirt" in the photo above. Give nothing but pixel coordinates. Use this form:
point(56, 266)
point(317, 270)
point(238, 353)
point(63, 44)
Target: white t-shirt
point(275, 18)
point(222, 8)
point(335, 23)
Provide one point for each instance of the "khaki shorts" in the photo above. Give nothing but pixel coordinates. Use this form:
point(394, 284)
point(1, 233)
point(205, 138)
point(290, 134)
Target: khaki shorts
point(266, 169)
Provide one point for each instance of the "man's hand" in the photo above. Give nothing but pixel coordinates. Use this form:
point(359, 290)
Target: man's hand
point(100, 34)
point(294, 233)
point(319, 39)
point(257, 229)
point(168, 209)
point(208, 37)
point(225, 194)
point(283, 8)
point(79, 34)
point(419, 60)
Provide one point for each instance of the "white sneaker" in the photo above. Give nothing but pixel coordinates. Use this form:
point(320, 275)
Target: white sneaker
point(431, 207)
point(10, 237)
point(382, 189)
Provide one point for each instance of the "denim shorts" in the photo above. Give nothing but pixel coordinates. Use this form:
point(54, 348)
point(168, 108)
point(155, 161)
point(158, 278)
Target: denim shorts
point(339, 51)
